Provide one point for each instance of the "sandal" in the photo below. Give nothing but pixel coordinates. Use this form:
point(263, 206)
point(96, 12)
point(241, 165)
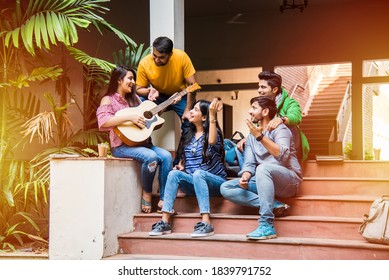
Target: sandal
point(146, 206)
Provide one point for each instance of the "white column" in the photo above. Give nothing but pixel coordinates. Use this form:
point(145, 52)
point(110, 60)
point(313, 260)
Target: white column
point(167, 19)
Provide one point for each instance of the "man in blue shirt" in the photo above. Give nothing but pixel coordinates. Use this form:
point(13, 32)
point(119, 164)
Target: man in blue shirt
point(271, 167)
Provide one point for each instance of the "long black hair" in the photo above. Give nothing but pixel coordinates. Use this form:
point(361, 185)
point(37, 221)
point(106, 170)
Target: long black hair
point(187, 137)
point(118, 74)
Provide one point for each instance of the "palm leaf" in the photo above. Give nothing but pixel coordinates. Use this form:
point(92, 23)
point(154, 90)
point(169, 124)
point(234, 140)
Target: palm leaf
point(42, 160)
point(40, 125)
point(28, 218)
point(88, 60)
point(46, 22)
point(89, 137)
point(22, 110)
point(38, 74)
point(103, 25)
point(131, 56)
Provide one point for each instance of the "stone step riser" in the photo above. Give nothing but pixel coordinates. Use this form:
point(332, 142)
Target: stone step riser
point(286, 227)
point(338, 187)
point(332, 208)
point(265, 250)
point(350, 169)
point(301, 206)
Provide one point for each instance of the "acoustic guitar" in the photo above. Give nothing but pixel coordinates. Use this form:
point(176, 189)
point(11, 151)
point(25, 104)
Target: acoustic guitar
point(133, 135)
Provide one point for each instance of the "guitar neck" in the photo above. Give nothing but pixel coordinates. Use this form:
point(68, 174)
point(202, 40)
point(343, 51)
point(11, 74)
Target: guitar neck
point(168, 102)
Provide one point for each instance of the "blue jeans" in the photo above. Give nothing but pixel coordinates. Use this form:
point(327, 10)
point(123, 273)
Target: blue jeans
point(201, 183)
point(150, 158)
point(270, 180)
point(240, 157)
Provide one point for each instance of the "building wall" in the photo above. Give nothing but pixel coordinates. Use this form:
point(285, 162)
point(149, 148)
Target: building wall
point(326, 32)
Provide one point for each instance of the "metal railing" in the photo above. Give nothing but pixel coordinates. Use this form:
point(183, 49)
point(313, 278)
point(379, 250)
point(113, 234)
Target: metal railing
point(296, 86)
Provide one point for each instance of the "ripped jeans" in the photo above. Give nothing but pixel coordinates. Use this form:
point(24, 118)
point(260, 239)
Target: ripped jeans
point(150, 158)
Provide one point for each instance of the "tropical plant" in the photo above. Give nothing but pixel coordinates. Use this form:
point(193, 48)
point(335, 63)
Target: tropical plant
point(34, 34)
point(130, 56)
point(348, 150)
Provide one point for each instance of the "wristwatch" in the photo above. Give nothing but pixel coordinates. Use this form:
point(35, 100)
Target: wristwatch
point(283, 119)
point(259, 138)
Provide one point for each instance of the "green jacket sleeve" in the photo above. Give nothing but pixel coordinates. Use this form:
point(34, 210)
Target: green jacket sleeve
point(291, 109)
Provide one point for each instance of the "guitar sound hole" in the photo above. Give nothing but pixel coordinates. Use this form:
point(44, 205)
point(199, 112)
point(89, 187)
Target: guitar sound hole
point(148, 115)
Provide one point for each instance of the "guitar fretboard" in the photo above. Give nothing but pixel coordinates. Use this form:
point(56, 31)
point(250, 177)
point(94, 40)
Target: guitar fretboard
point(168, 102)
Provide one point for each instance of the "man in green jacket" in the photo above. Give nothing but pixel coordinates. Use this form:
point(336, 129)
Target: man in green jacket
point(289, 113)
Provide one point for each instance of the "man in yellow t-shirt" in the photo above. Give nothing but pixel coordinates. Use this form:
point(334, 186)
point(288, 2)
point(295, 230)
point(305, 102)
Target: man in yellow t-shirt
point(165, 72)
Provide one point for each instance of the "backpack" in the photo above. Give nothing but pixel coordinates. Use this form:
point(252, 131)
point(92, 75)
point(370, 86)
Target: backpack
point(230, 159)
point(375, 226)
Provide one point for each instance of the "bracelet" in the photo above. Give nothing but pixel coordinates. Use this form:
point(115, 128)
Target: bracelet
point(260, 137)
point(213, 121)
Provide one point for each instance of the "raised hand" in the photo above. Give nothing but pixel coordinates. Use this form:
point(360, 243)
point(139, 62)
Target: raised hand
point(215, 106)
point(255, 129)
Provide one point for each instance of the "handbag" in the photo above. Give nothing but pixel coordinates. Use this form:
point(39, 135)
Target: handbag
point(240, 137)
point(230, 158)
point(375, 226)
point(229, 147)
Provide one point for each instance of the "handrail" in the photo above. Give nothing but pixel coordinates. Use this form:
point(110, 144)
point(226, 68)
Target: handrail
point(308, 102)
point(343, 115)
point(297, 85)
point(373, 63)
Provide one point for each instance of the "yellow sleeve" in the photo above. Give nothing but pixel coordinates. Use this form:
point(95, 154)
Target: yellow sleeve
point(189, 69)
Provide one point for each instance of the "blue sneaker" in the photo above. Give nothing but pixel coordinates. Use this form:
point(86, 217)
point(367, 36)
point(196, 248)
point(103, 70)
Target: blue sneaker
point(160, 228)
point(280, 209)
point(264, 231)
point(202, 229)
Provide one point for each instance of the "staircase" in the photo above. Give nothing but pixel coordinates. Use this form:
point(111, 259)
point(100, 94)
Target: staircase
point(322, 223)
point(317, 125)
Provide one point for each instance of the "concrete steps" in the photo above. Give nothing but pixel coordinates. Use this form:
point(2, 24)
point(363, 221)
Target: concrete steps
point(325, 106)
point(292, 226)
point(322, 224)
point(238, 247)
point(346, 169)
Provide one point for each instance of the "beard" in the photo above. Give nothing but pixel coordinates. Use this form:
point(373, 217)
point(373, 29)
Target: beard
point(160, 63)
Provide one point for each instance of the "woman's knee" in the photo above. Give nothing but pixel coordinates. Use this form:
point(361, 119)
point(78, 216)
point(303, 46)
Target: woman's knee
point(173, 174)
point(166, 156)
point(199, 174)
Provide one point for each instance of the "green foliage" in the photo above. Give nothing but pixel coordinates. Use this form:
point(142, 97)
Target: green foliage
point(369, 154)
point(45, 23)
point(131, 56)
point(90, 151)
point(30, 32)
point(348, 150)
point(21, 207)
point(86, 59)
